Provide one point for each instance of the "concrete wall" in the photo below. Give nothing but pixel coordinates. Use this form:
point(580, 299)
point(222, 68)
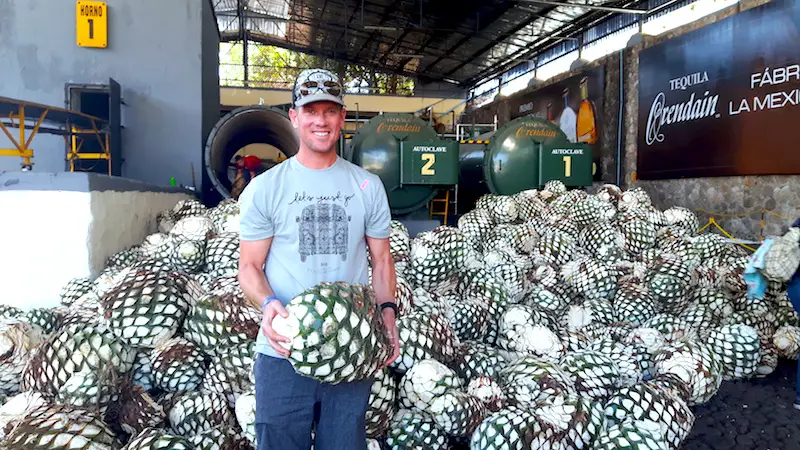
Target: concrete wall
point(210, 88)
point(159, 53)
point(209, 70)
point(441, 89)
point(66, 225)
point(725, 195)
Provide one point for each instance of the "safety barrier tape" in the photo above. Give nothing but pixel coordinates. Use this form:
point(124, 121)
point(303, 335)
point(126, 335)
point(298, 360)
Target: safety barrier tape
point(762, 211)
point(711, 221)
point(762, 223)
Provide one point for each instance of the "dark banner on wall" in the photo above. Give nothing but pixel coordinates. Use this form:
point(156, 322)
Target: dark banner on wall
point(723, 100)
point(574, 104)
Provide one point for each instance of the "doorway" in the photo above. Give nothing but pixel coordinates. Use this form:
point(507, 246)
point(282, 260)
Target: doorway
point(102, 101)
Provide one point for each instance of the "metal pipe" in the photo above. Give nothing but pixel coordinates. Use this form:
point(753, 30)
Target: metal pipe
point(380, 28)
point(244, 36)
point(619, 125)
point(596, 7)
point(241, 127)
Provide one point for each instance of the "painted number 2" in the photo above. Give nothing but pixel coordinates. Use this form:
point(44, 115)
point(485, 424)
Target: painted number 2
point(429, 159)
point(567, 166)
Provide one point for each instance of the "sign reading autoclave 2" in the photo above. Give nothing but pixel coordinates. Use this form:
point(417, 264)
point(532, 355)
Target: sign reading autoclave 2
point(724, 99)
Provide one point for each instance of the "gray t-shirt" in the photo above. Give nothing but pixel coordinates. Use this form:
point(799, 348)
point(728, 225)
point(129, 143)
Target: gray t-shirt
point(318, 220)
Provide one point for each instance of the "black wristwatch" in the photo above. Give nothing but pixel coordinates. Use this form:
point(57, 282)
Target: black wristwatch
point(392, 305)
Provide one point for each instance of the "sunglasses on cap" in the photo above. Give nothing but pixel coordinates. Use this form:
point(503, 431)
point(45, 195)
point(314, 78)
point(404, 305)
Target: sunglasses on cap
point(312, 87)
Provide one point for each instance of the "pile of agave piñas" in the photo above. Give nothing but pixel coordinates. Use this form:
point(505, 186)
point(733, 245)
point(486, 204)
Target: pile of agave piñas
point(555, 318)
point(152, 354)
point(546, 319)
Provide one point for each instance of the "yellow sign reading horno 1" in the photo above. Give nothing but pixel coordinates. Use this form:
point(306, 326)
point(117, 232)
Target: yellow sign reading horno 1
point(91, 24)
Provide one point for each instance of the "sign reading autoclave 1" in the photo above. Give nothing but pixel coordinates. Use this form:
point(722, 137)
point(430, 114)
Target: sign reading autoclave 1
point(572, 164)
point(724, 99)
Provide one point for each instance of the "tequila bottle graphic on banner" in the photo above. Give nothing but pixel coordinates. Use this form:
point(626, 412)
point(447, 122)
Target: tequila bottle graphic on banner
point(568, 119)
point(587, 121)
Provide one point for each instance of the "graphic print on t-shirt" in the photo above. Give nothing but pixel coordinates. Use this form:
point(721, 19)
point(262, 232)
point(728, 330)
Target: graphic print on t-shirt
point(323, 228)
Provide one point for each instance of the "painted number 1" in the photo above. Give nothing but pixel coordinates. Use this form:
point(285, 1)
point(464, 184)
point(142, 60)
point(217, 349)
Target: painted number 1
point(429, 159)
point(567, 166)
point(91, 28)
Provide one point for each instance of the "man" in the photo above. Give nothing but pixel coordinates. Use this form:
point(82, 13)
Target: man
point(312, 219)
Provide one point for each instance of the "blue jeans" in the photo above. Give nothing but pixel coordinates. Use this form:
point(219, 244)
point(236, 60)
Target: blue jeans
point(793, 292)
point(289, 406)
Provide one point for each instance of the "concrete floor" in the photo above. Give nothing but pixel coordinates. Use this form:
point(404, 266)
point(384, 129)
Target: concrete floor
point(750, 415)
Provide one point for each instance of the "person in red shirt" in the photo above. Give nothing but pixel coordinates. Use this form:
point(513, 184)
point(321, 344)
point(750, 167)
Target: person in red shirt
point(252, 164)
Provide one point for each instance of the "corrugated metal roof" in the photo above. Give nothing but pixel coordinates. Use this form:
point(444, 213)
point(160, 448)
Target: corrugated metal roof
point(606, 28)
point(467, 41)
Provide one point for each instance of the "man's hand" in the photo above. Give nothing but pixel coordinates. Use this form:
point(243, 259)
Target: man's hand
point(394, 335)
point(252, 257)
point(274, 308)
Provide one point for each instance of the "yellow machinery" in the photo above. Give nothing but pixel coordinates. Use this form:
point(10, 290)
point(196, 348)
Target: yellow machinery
point(71, 125)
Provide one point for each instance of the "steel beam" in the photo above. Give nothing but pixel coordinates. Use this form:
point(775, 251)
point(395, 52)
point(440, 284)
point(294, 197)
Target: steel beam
point(492, 19)
point(567, 29)
point(324, 52)
point(531, 18)
point(387, 12)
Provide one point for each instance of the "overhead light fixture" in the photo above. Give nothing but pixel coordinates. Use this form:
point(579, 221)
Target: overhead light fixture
point(589, 6)
point(450, 81)
point(530, 10)
point(380, 28)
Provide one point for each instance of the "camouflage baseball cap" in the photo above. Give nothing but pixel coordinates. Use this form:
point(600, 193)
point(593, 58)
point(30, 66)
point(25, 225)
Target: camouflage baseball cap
point(314, 85)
